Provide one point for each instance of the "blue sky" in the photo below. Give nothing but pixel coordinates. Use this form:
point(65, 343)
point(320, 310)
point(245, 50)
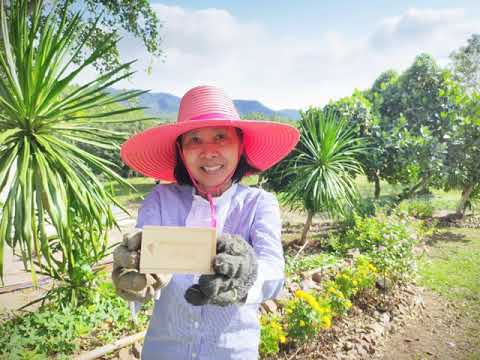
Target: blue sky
point(295, 54)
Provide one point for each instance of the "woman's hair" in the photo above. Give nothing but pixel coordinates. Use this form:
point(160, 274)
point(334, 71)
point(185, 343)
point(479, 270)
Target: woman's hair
point(181, 173)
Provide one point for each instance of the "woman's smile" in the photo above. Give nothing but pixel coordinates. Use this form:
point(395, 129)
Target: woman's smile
point(211, 155)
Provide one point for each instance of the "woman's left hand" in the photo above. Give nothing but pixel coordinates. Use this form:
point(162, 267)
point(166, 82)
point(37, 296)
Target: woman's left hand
point(235, 267)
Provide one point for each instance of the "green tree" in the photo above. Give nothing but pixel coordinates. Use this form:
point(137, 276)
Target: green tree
point(135, 17)
point(462, 166)
point(324, 166)
point(420, 110)
point(47, 179)
point(466, 64)
point(462, 169)
point(360, 112)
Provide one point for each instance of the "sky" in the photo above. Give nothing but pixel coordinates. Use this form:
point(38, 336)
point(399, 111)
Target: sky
point(295, 54)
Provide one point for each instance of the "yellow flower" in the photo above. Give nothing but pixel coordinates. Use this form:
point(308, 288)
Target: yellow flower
point(302, 323)
point(289, 311)
point(276, 326)
point(282, 339)
point(326, 322)
point(300, 294)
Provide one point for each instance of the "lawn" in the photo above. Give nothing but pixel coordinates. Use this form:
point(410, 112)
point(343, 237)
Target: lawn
point(440, 200)
point(452, 269)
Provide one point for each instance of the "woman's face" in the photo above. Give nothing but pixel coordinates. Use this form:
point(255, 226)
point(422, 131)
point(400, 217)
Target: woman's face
point(211, 154)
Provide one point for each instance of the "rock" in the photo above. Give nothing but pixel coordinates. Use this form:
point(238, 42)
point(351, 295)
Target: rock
point(318, 277)
point(361, 351)
point(137, 350)
point(383, 283)
point(124, 354)
point(353, 253)
point(270, 306)
point(308, 284)
point(385, 318)
point(283, 295)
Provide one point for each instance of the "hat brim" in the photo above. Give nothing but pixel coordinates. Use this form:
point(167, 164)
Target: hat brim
point(152, 152)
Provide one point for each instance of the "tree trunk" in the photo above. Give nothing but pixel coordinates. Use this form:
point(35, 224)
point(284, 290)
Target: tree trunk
point(466, 192)
point(307, 226)
point(376, 180)
point(421, 185)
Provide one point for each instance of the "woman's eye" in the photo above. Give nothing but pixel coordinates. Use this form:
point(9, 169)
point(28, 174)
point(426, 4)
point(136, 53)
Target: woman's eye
point(220, 137)
point(195, 140)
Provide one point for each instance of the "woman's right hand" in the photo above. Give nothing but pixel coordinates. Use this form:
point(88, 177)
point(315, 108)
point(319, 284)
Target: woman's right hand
point(130, 284)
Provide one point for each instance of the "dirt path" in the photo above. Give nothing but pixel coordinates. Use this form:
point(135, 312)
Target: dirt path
point(438, 332)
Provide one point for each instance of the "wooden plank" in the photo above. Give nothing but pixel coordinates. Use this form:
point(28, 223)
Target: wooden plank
point(181, 250)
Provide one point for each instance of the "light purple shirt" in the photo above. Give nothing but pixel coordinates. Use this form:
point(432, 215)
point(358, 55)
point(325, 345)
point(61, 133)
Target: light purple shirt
point(180, 331)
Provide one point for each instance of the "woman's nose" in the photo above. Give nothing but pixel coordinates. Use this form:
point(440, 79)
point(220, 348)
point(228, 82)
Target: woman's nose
point(210, 150)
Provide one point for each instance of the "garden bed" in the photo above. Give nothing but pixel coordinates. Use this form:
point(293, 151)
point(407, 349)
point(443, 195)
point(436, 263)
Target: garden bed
point(356, 319)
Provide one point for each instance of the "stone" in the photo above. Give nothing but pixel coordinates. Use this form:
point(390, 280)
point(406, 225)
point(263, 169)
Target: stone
point(353, 253)
point(124, 354)
point(318, 277)
point(137, 350)
point(383, 283)
point(308, 284)
point(270, 306)
point(283, 295)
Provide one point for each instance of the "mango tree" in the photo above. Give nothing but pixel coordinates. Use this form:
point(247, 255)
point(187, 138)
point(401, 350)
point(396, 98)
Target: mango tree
point(421, 110)
point(462, 168)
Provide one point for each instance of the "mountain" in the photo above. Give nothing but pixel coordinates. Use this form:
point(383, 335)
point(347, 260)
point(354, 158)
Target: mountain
point(165, 104)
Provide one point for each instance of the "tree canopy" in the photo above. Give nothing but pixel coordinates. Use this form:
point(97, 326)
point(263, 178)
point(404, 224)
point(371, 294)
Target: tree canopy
point(118, 17)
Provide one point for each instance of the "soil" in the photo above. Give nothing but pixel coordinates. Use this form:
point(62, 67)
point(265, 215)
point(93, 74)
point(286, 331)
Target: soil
point(440, 331)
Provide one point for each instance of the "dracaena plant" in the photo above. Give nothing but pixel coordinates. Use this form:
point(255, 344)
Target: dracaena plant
point(323, 166)
point(56, 212)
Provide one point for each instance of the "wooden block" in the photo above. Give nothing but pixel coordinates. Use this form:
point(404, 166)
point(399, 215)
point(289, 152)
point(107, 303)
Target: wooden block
point(181, 250)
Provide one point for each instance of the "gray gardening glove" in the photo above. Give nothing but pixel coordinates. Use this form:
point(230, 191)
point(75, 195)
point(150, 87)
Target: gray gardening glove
point(235, 267)
point(129, 282)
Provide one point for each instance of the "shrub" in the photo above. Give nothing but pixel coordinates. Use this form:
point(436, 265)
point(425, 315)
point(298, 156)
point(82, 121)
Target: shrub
point(306, 315)
point(271, 335)
point(387, 240)
point(55, 331)
point(348, 283)
point(418, 208)
point(308, 262)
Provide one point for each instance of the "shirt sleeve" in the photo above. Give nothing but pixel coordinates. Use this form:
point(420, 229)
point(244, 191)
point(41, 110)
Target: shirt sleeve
point(266, 240)
point(149, 212)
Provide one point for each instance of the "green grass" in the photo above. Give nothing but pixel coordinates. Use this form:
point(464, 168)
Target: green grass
point(126, 195)
point(440, 200)
point(452, 269)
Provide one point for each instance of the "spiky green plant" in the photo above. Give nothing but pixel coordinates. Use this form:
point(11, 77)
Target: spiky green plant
point(47, 179)
point(324, 166)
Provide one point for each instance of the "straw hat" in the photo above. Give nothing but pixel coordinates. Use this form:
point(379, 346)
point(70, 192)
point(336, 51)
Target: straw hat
point(152, 152)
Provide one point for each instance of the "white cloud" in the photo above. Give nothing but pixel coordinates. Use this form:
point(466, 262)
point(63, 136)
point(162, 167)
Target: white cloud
point(212, 46)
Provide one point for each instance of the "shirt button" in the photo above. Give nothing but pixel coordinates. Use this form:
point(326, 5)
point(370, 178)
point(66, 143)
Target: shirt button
point(195, 324)
point(194, 355)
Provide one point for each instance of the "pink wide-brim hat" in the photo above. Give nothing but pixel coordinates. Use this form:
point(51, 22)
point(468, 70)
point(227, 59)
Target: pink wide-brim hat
point(153, 151)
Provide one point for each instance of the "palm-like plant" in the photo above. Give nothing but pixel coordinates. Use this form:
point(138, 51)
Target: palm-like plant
point(48, 180)
point(324, 166)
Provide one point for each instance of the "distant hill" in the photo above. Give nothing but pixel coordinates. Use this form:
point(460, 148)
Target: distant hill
point(166, 105)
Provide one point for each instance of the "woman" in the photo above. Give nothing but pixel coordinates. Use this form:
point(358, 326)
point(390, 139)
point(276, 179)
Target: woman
point(205, 154)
